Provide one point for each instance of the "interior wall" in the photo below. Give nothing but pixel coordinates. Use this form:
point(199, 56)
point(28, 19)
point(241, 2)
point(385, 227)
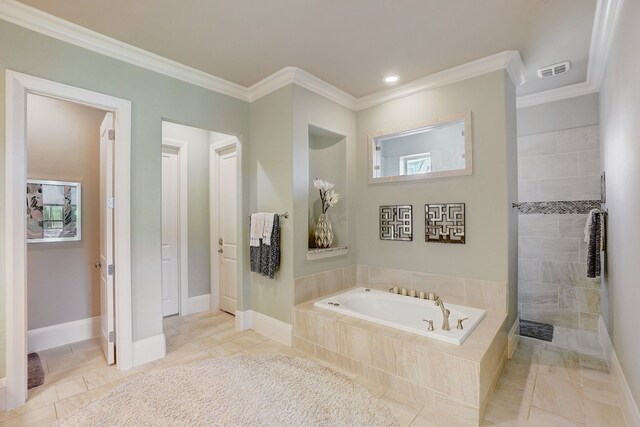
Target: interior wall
point(564, 114)
point(63, 144)
point(154, 97)
point(485, 255)
point(310, 108)
point(620, 127)
point(271, 180)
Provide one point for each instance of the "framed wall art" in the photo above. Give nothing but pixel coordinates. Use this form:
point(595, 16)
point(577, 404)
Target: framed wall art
point(53, 211)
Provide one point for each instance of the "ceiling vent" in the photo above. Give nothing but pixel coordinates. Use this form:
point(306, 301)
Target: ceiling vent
point(554, 69)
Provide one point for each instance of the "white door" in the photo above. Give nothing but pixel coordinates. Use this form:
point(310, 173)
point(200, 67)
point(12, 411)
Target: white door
point(227, 220)
point(107, 310)
point(170, 236)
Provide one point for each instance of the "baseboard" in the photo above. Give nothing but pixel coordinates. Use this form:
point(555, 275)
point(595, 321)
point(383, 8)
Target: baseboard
point(63, 333)
point(3, 394)
point(628, 404)
point(268, 326)
point(198, 304)
point(243, 320)
point(272, 328)
point(149, 349)
point(513, 338)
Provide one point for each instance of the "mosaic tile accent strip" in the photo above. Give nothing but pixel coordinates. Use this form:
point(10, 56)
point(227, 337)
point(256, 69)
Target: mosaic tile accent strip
point(396, 222)
point(444, 223)
point(562, 207)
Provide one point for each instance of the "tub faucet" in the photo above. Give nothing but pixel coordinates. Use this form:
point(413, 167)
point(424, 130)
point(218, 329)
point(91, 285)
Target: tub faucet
point(445, 314)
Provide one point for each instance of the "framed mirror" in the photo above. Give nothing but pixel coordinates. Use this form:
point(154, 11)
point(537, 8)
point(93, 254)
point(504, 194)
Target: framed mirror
point(436, 148)
point(53, 211)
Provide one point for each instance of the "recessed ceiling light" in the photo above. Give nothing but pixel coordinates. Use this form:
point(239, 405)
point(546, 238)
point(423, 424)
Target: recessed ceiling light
point(391, 79)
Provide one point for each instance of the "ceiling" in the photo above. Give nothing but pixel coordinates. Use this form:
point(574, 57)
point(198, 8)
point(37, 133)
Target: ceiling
point(349, 44)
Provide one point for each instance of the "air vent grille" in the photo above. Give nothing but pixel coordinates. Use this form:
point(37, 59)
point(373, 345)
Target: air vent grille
point(554, 69)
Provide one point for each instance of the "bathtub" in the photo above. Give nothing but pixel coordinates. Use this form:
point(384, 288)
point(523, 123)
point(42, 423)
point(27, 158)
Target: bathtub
point(404, 313)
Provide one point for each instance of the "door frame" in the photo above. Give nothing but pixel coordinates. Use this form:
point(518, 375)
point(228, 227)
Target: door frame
point(183, 223)
point(214, 215)
point(18, 85)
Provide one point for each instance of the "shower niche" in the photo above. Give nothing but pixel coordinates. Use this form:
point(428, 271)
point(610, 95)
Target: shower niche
point(328, 162)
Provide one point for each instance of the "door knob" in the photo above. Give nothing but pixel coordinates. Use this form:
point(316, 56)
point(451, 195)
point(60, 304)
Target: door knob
point(97, 265)
point(220, 250)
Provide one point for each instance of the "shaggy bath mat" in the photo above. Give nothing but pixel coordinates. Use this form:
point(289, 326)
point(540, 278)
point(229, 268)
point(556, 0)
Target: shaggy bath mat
point(541, 331)
point(35, 372)
point(240, 390)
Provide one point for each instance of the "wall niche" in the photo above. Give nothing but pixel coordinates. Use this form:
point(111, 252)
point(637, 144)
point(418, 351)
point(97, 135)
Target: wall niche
point(328, 161)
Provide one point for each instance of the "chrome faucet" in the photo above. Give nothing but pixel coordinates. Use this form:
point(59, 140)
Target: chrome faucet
point(445, 315)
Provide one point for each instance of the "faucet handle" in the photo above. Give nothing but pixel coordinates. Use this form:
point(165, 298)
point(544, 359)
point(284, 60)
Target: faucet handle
point(430, 322)
point(460, 323)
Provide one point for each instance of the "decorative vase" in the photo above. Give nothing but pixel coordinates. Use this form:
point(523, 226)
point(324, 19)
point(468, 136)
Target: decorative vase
point(324, 232)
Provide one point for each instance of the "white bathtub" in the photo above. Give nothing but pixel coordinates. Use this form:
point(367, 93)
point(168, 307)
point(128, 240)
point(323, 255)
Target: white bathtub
point(404, 313)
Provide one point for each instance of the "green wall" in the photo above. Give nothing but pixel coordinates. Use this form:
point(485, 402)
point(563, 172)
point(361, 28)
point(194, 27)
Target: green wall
point(154, 97)
point(485, 255)
point(270, 177)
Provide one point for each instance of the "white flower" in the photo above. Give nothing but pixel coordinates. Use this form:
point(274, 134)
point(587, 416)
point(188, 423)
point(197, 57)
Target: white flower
point(332, 198)
point(318, 184)
point(327, 186)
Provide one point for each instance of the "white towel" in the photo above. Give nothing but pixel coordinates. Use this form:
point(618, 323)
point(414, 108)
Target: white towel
point(268, 228)
point(257, 228)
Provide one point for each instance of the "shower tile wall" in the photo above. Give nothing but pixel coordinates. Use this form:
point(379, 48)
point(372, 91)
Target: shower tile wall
point(553, 288)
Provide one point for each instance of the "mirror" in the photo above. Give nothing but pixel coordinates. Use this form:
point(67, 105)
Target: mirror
point(53, 211)
point(433, 149)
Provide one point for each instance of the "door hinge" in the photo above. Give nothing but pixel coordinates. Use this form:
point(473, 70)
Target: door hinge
point(111, 134)
point(112, 336)
point(111, 202)
point(111, 269)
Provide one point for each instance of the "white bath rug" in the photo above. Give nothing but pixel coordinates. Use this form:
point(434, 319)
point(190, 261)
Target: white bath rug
point(240, 390)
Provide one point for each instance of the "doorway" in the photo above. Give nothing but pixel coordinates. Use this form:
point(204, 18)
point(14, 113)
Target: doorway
point(115, 283)
point(224, 196)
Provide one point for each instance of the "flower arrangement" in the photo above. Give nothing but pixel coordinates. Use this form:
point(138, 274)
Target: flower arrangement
point(328, 196)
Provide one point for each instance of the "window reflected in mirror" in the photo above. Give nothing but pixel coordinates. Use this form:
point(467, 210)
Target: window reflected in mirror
point(434, 150)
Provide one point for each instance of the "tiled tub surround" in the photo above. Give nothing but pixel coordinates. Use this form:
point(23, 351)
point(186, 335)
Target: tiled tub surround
point(452, 381)
point(552, 283)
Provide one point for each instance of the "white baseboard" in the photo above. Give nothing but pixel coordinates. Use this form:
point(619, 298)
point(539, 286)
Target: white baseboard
point(3, 394)
point(197, 304)
point(272, 328)
point(268, 326)
point(243, 320)
point(63, 333)
point(628, 404)
point(149, 349)
point(513, 338)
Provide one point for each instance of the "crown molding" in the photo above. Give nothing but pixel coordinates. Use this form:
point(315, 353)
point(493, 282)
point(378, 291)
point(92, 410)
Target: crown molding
point(298, 76)
point(605, 23)
point(509, 60)
point(44, 23)
point(52, 26)
point(558, 94)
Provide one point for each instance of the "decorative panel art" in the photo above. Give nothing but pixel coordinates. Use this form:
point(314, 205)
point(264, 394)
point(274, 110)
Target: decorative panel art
point(444, 222)
point(396, 222)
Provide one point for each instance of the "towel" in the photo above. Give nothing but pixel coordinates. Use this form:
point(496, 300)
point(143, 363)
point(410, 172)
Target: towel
point(268, 228)
point(257, 228)
point(265, 258)
point(594, 237)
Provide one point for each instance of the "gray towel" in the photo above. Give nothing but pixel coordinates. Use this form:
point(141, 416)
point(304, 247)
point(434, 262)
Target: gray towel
point(265, 259)
point(594, 239)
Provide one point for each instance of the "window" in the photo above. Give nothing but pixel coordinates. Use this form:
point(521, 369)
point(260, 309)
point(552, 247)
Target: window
point(415, 164)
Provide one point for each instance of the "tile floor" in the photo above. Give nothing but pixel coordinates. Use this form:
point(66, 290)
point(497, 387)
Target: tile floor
point(543, 385)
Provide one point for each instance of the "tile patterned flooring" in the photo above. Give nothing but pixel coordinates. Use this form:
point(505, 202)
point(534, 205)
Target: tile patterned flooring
point(543, 385)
